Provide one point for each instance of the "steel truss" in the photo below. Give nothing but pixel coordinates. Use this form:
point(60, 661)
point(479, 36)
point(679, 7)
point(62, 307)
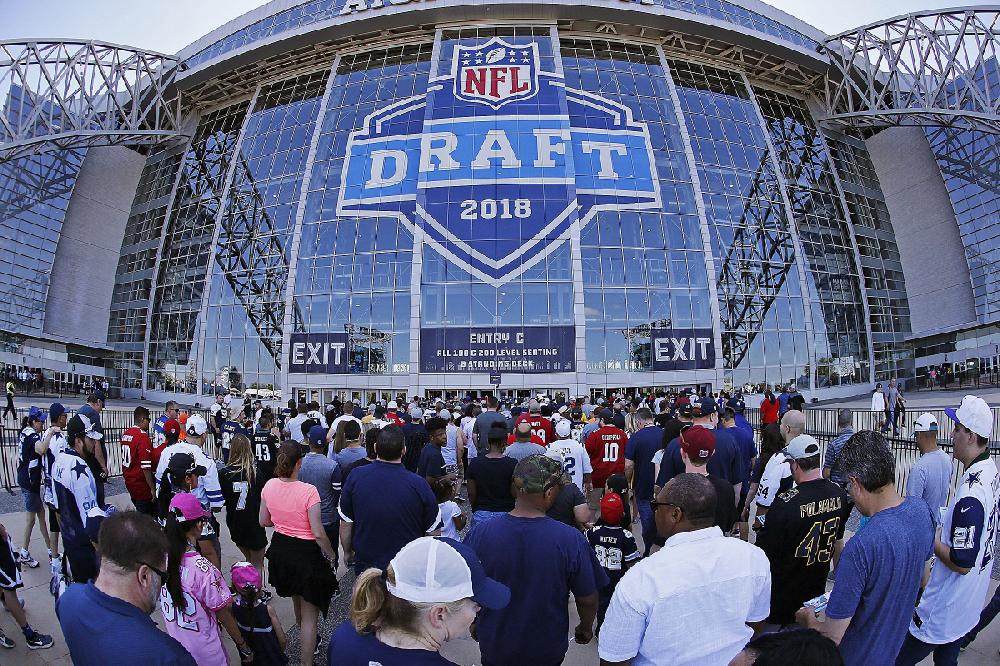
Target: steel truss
point(934, 68)
point(75, 94)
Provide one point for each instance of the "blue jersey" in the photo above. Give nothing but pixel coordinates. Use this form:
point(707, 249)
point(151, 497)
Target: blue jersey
point(29, 463)
point(229, 430)
point(255, 625)
point(76, 491)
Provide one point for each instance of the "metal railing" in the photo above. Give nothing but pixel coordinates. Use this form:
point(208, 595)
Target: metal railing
point(114, 421)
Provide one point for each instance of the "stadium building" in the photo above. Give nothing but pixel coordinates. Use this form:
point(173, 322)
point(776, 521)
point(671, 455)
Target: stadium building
point(365, 197)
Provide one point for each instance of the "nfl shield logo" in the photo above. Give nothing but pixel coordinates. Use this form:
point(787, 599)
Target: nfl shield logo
point(496, 72)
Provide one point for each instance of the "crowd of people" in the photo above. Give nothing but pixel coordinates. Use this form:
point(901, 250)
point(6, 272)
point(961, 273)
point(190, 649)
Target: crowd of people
point(490, 518)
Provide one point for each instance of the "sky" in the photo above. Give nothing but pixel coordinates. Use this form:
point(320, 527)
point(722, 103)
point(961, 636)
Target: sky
point(168, 26)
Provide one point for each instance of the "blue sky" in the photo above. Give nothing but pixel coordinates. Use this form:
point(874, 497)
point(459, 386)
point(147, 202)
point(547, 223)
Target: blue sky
point(169, 26)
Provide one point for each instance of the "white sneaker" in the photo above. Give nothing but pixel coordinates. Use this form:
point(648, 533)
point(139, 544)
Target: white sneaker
point(24, 557)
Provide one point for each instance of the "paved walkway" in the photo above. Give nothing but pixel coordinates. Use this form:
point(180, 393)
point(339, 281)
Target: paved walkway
point(41, 614)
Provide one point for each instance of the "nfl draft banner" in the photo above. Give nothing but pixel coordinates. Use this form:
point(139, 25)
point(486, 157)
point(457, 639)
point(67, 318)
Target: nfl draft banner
point(519, 349)
point(685, 349)
point(499, 161)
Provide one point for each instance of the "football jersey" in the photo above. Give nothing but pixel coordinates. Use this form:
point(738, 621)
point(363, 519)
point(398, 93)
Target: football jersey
point(194, 626)
point(949, 607)
point(265, 450)
point(541, 427)
point(159, 437)
point(777, 477)
point(802, 526)
point(606, 448)
point(80, 515)
point(29, 463)
point(576, 461)
point(137, 456)
point(57, 444)
point(614, 547)
point(229, 430)
point(242, 498)
point(208, 492)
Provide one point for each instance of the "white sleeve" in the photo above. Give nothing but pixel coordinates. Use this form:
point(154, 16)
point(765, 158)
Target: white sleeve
point(762, 597)
point(623, 628)
point(588, 468)
point(213, 489)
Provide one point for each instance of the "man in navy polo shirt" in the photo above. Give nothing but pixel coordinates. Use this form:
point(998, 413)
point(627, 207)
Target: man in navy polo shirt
point(639, 452)
point(541, 560)
point(726, 463)
point(107, 623)
point(384, 506)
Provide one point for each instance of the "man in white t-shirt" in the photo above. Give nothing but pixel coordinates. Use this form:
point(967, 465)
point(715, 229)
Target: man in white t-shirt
point(699, 599)
point(960, 577)
point(575, 459)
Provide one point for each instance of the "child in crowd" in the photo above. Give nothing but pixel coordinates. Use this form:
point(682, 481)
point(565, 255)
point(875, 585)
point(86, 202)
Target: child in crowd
point(614, 547)
point(617, 484)
point(258, 622)
point(452, 519)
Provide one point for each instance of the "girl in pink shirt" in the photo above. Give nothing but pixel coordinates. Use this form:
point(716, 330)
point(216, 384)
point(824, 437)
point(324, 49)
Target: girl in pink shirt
point(196, 596)
point(300, 557)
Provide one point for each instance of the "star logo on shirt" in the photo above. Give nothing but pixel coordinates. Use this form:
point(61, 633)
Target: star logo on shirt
point(974, 478)
point(79, 468)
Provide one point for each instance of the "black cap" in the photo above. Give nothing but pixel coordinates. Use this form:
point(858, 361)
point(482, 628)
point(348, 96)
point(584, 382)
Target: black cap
point(182, 464)
point(606, 415)
point(75, 428)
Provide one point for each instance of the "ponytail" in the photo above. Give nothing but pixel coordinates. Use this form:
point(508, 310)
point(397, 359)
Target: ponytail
point(289, 453)
point(177, 541)
point(370, 599)
point(165, 494)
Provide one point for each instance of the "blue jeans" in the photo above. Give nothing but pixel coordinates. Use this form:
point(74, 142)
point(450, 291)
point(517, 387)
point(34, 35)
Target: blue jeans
point(484, 516)
point(990, 612)
point(648, 525)
point(914, 651)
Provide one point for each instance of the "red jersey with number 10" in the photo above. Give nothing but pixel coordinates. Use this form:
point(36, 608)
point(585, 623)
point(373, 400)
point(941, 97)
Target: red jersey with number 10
point(541, 427)
point(606, 447)
point(137, 455)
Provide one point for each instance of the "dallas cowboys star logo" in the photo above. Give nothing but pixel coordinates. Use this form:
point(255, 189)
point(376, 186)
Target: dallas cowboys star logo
point(974, 478)
point(79, 468)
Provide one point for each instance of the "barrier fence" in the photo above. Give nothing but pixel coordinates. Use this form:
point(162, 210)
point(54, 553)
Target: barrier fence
point(821, 423)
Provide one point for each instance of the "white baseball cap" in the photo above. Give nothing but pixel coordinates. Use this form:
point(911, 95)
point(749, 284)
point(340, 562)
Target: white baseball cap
point(974, 414)
point(564, 428)
point(441, 570)
point(925, 423)
point(197, 425)
point(393, 405)
point(803, 446)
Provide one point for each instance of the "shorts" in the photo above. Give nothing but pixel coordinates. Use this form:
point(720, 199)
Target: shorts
point(32, 501)
point(53, 519)
point(10, 570)
point(80, 562)
point(247, 534)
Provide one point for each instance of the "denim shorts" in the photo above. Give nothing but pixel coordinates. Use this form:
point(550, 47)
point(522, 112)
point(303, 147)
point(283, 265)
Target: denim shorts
point(32, 501)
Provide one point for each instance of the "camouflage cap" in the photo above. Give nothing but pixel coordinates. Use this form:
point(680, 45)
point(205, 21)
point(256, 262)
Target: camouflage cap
point(538, 472)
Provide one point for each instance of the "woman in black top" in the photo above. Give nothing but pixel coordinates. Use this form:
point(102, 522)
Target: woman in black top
point(489, 476)
point(242, 482)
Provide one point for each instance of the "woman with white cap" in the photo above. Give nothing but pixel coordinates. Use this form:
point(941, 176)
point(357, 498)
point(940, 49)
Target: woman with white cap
point(428, 595)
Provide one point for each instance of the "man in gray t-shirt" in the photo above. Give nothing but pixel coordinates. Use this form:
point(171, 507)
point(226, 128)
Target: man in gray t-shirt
point(522, 446)
point(325, 474)
point(484, 421)
point(930, 477)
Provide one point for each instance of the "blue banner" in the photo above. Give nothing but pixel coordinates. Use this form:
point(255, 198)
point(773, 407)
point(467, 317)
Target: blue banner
point(498, 161)
point(319, 353)
point(518, 349)
point(683, 349)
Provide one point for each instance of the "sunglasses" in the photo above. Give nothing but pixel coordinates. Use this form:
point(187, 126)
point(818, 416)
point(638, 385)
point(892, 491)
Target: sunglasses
point(655, 505)
point(158, 572)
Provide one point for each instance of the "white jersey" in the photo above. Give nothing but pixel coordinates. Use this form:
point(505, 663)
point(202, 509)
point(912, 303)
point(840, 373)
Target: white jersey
point(775, 470)
point(950, 605)
point(576, 460)
point(208, 492)
point(57, 444)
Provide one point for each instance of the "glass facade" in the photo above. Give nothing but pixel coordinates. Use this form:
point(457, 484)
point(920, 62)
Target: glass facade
point(247, 284)
point(838, 312)
point(764, 337)
point(316, 11)
point(403, 207)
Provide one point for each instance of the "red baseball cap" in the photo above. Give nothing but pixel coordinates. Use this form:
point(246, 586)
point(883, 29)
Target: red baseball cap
point(698, 443)
point(612, 509)
point(171, 426)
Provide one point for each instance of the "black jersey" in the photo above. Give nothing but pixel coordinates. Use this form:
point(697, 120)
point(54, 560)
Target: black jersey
point(265, 450)
point(243, 506)
point(255, 625)
point(798, 535)
point(615, 549)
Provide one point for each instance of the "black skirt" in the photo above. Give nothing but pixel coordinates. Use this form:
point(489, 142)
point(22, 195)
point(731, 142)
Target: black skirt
point(247, 533)
point(297, 567)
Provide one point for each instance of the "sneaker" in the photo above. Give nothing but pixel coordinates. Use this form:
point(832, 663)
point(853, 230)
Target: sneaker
point(39, 642)
point(319, 646)
point(24, 557)
point(5, 641)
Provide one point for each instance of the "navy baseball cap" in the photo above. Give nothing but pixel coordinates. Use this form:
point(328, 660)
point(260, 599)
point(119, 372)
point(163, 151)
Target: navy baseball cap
point(317, 434)
point(36, 414)
point(706, 406)
point(55, 411)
